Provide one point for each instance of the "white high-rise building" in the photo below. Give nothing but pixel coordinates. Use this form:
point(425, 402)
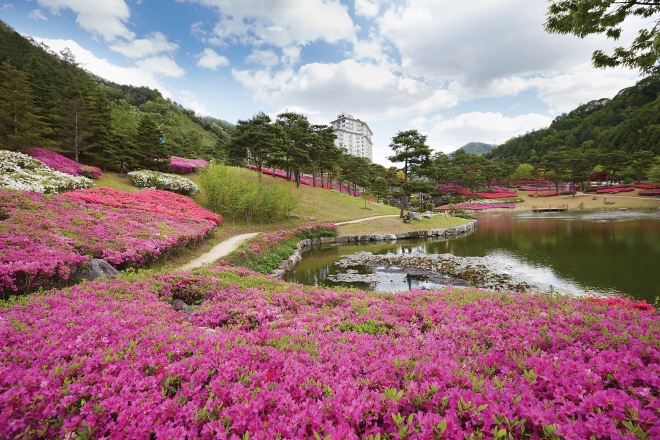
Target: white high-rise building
point(354, 135)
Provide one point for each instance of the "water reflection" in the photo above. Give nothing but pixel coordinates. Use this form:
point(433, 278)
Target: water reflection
point(618, 252)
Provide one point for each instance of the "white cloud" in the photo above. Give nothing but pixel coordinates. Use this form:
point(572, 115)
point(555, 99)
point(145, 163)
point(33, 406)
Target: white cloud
point(37, 15)
point(161, 66)
point(367, 8)
point(154, 44)
point(6, 7)
point(281, 23)
point(147, 73)
point(368, 89)
point(189, 100)
point(451, 134)
point(106, 18)
point(263, 57)
point(211, 60)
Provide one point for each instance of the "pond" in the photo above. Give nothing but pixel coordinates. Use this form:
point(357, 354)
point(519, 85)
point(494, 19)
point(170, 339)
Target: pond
point(577, 253)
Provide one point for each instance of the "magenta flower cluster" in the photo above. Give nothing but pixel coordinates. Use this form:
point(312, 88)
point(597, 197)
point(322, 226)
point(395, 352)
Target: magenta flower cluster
point(181, 165)
point(304, 180)
point(148, 199)
point(477, 206)
point(649, 192)
point(63, 164)
point(262, 359)
point(44, 239)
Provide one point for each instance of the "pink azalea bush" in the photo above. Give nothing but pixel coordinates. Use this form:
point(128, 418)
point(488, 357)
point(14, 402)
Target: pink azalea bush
point(544, 194)
point(181, 165)
point(63, 164)
point(152, 200)
point(477, 206)
point(649, 192)
point(44, 239)
point(262, 359)
point(614, 190)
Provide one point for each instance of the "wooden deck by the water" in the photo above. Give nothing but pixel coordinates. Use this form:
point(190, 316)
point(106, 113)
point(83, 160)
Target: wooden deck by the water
point(556, 208)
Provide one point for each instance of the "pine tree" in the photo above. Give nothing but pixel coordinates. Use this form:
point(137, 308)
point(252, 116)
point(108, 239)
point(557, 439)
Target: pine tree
point(152, 151)
point(45, 95)
point(20, 124)
point(74, 124)
point(100, 124)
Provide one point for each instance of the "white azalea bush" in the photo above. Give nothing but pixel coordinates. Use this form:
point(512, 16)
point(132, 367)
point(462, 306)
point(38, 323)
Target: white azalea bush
point(164, 181)
point(21, 172)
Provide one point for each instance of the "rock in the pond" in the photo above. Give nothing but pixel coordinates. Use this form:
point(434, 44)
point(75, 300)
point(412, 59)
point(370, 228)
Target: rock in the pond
point(326, 240)
point(364, 238)
point(377, 237)
point(100, 268)
point(311, 219)
point(180, 306)
point(390, 237)
point(402, 235)
point(277, 273)
point(293, 217)
point(341, 239)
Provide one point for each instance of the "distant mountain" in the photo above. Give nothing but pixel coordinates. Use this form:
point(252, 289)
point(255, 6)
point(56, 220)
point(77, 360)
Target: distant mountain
point(476, 148)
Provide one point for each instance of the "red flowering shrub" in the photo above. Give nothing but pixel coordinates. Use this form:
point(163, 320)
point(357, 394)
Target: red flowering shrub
point(614, 190)
point(649, 192)
point(544, 194)
point(152, 200)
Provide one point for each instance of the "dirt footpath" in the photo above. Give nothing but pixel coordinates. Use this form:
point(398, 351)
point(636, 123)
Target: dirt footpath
point(219, 251)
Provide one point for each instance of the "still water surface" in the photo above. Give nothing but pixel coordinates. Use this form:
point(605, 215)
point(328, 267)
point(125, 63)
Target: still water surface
point(572, 252)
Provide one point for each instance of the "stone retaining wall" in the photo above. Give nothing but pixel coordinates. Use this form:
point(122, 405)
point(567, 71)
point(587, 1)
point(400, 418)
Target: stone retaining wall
point(304, 245)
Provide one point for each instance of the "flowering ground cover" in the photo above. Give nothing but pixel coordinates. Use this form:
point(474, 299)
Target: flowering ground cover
point(496, 195)
point(649, 192)
point(476, 206)
point(534, 188)
point(21, 172)
point(614, 190)
point(114, 360)
point(647, 185)
point(63, 164)
point(152, 200)
point(496, 192)
point(304, 180)
point(181, 165)
point(44, 239)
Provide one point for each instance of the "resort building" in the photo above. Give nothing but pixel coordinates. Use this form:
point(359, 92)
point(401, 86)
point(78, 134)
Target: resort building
point(353, 134)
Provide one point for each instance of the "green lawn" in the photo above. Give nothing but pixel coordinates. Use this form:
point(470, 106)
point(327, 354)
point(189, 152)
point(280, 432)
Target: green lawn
point(394, 225)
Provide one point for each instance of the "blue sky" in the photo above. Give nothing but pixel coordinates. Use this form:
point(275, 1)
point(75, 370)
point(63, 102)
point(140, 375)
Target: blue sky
point(482, 70)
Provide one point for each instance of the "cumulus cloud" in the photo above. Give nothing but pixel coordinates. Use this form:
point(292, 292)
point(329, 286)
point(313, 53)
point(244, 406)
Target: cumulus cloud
point(263, 57)
point(148, 72)
point(368, 89)
point(153, 44)
point(6, 7)
point(37, 14)
point(189, 100)
point(211, 60)
point(448, 135)
point(367, 8)
point(281, 23)
point(106, 18)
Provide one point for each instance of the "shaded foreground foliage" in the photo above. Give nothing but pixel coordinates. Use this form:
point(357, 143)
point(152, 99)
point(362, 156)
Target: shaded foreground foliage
point(287, 361)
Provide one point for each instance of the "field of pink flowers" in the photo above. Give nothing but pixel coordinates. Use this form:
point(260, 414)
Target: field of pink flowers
point(181, 165)
point(63, 164)
point(152, 200)
point(304, 180)
point(46, 238)
point(477, 206)
point(114, 360)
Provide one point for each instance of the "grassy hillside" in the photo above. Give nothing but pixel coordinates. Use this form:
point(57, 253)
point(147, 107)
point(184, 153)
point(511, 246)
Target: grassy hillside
point(629, 122)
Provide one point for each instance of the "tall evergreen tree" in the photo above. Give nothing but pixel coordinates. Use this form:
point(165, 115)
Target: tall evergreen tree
point(298, 135)
point(74, 122)
point(151, 149)
point(410, 148)
point(100, 123)
point(20, 124)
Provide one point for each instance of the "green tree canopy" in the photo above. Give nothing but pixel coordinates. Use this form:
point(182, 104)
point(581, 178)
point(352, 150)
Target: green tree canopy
point(585, 17)
point(410, 148)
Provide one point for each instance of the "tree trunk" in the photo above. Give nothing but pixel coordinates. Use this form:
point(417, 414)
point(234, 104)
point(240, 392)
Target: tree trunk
point(313, 177)
point(322, 184)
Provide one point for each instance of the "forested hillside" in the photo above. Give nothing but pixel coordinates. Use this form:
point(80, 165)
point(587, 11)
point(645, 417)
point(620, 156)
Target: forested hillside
point(476, 148)
point(629, 122)
point(47, 100)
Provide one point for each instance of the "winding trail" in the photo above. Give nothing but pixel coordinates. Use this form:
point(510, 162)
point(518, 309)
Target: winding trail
point(360, 220)
point(219, 251)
